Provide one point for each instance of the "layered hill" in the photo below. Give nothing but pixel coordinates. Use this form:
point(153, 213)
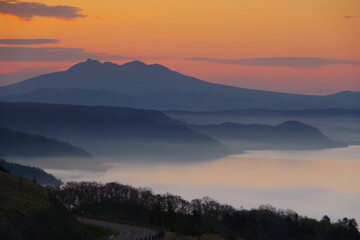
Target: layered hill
point(316, 113)
point(136, 84)
point(30, 173)
point(111, 131)
point(287, 135)
point(21, 144)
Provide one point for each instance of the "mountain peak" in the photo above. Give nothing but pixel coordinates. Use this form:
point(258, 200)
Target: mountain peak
point(291, 124)
point(88, 64)
point(89, 60)
point(91, 65)
point(346, 93)
point(134, 64)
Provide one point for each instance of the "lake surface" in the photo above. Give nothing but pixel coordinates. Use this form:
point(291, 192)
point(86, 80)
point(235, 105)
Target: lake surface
point(313, 183)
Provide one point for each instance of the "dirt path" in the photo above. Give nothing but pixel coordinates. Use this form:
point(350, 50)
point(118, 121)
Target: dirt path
point(125, 232)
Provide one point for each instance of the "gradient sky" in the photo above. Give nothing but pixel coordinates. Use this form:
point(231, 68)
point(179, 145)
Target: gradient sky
point(298, 46)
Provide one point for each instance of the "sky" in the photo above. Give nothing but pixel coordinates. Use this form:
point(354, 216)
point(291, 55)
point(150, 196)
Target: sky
point(296, 46)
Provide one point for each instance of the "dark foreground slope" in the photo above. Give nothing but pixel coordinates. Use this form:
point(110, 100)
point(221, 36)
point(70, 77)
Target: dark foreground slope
point(111, 131)
point(31, 173)
point(28, 212)
point(291, 135)
point(136, 84)
point(16, 143)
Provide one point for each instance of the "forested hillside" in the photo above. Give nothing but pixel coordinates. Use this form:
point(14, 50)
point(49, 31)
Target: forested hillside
point(114, 201)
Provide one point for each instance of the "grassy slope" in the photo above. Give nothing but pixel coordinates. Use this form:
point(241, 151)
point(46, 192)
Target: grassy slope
point(27, 211)
point(18, 196)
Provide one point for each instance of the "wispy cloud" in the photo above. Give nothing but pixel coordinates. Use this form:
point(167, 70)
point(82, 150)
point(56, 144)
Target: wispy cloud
point(27, 10)
point(347, 17)
point(55, 54)
point(27, 41)
point(293, 62)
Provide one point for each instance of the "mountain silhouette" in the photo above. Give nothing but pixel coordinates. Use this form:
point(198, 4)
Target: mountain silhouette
point(136, 84)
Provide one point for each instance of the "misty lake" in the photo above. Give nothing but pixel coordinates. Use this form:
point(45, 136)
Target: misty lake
point(313, 183)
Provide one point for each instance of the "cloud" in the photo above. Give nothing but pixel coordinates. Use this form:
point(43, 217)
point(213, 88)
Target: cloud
point(27, 41)
point(347, 17)
point(55, 54)
point(293, 62)
point(27, 10)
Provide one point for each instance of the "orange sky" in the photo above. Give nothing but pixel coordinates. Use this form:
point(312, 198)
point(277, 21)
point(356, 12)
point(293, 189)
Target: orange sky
point(168, 32)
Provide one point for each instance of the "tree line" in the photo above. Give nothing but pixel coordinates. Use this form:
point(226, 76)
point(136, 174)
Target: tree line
point(172, 212)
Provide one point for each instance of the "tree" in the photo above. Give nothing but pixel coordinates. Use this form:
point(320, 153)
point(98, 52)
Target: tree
point(352, 224)
point(326, 219)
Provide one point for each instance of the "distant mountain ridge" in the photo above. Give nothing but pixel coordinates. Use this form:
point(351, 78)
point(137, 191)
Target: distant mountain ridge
point(332, 112)
point(21, 144)
point(289, 135)
point(136, 84)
